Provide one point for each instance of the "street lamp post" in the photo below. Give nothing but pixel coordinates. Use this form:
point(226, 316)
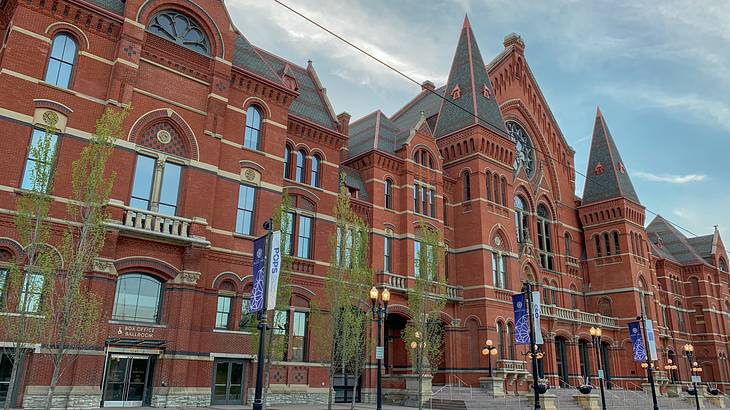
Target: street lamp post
point(533, 353)
point(489, 350)
point(648, 365)
point(689, 353)
point(379, 307)
point(258, 401)
point(596, 336)
point(671, 367)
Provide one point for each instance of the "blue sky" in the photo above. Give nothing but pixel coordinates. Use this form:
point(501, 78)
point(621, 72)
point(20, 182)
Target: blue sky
point(660, 71)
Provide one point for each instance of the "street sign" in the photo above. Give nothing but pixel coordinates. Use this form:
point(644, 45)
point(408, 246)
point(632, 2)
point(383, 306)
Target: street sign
point(379, 352)
point(600, 373)
point(696, 379)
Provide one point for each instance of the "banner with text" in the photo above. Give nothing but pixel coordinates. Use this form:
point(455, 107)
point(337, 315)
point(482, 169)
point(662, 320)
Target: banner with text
point(637, 341)
point(257, 295)
point(522, 321)
point(649, 326)
point(536, 317)
point(272, 279)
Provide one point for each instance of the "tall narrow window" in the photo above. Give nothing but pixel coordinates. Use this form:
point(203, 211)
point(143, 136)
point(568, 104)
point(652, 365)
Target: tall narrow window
point(289, 233)
point(573, 298)
point(253, 127)
point(388, 194)
point(299, 174)
point(489, 186)
point(495, 186)
point(144, 173)
point(504, 192)
point(467, 186)
point(287, 162)
point(722, 265)
point(299, 336)
point(568, 244)
point(387, 249)
point(544, 237)
point(521, 220)
point(169, 188)
point(510, 341)
point(244, 211)
point(431, 203)
point(304, 238)
point(223, 312)
point(38, 166)
point(61, 61)
point(495, 270)
point(501, 342)
point(680, 318)
point(416, 200)
point(597, 240)
point(280, 330)
point(616, 245)
point(30, 294)
point(314, 175)
point(503, 272)
point(3, 285)
point(424, 201)
point(446, 210)
point(248, 319)
point(417, 259)
point(607, 244)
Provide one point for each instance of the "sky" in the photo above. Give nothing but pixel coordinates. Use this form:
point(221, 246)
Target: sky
point(660, 72)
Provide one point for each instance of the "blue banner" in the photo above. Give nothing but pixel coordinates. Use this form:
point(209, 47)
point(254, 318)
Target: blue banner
point(637, 341)
point(522, 321)
point(259, 272)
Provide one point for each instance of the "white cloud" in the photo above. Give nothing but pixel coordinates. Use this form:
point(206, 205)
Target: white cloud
point(672, 179)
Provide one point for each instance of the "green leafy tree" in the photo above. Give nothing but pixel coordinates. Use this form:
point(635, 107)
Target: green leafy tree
point(72, 308)
point(28, 274)
point(424, 334)
point(342, 329)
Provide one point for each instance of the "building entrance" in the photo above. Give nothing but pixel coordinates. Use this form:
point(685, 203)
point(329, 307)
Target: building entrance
point(6, 368)
point(128, 380)
point(229, 382)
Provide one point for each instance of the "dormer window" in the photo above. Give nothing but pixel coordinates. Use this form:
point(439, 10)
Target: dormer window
point(486, 91)
point(598, 170)
point(456, 92)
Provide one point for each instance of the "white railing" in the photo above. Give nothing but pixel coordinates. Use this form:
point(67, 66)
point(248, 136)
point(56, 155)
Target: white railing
point(512, 366)
point(400, 282)
point(155, 222)
point(574, 315)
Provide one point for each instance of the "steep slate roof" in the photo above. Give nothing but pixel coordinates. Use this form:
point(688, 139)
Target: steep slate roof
point(311, 104)
point(353, 179)
point(114, 6)
point(673, 242)
point(703, 245)
point(469, 73)
point(374, 131)
point(426, 101)
point(613, 181)
point(246, 56)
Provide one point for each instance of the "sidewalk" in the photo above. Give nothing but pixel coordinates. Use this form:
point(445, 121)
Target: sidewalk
point(358, 406)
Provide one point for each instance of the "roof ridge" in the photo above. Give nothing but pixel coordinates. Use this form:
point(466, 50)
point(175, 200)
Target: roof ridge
point(255, 50)
point(363, 117)
point(320, 91)
point(286, 60)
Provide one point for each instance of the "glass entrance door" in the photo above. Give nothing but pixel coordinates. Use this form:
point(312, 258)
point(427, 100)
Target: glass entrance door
point(127, 379)
point(6, 367)
point(228, 382)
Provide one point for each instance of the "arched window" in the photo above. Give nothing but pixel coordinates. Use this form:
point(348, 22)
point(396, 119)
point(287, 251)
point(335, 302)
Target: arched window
point(544, 241)
point(446, 210)
point(524, 155)
point(496, 189)
point(253, 127)
point(597, 240)
point(573, 297)
point(388, 194)
point(61, 61)
point(424, 157)
point(504, 191)
point(314, 175)
point(299, 171)
point(554, 293)
point(568, 244)
point(616, 245)
point(604, 307)
point(416, 157)
point(179, 29)
point(521, 220)
point(501, 342)
point(607, 244)
point(137, 298)
point(287, 162)
point(467, 186)
point(510, 341)
point(722, 265)
point(680, 317)
point(489, 186)
point(694, 286)
point(546, 294)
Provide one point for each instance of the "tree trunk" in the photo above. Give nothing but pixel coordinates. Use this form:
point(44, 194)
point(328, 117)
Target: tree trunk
point(420, 380)
point(17, 358)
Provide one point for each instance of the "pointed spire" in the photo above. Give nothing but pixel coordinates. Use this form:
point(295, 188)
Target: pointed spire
point(607, 174)
point(469, 92)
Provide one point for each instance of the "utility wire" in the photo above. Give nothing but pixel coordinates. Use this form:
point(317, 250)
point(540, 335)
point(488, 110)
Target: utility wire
point(407, 77)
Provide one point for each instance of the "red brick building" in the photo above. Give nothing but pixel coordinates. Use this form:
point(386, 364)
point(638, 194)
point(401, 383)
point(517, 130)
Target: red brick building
point(220, 128)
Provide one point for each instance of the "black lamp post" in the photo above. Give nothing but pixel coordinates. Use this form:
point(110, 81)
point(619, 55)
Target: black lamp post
point(534, 352)
point(258, 401)
point(689, 353)
point(379, 307)
point(596, 336)
point(648, 365)
point(671, 367)
point(489, 350)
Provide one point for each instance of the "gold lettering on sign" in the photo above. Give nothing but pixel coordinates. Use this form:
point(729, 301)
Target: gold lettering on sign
point(136, 332)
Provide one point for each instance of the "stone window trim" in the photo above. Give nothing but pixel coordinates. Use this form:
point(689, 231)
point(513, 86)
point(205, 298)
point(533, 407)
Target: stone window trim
point(62, 61)
point(160, 159)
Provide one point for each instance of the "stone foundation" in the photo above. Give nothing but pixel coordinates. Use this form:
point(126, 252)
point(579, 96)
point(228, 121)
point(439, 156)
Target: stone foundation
point(180, 397)
point(293, 394)
point(64, 397)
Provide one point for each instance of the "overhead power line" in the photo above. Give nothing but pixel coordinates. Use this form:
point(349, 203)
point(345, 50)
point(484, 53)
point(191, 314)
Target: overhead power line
point(446, 100)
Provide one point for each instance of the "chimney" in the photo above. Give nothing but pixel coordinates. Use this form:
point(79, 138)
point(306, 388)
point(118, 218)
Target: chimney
point(344, 121)
point(427, 86)
point(516, 40)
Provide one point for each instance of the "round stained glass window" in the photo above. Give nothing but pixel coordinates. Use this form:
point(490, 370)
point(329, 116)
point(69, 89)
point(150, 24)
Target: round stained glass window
point(525, 153)
point(179, 29)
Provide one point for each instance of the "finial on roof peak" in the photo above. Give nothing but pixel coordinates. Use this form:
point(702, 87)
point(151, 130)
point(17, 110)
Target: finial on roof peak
point(598, 112)
point(514, 39)
point(716, 228)
point(427, 85)
point(466, 21)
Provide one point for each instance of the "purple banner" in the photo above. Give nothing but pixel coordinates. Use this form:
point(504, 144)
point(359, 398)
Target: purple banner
point(522, 321)
point(259, 272)
point(637, 341)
